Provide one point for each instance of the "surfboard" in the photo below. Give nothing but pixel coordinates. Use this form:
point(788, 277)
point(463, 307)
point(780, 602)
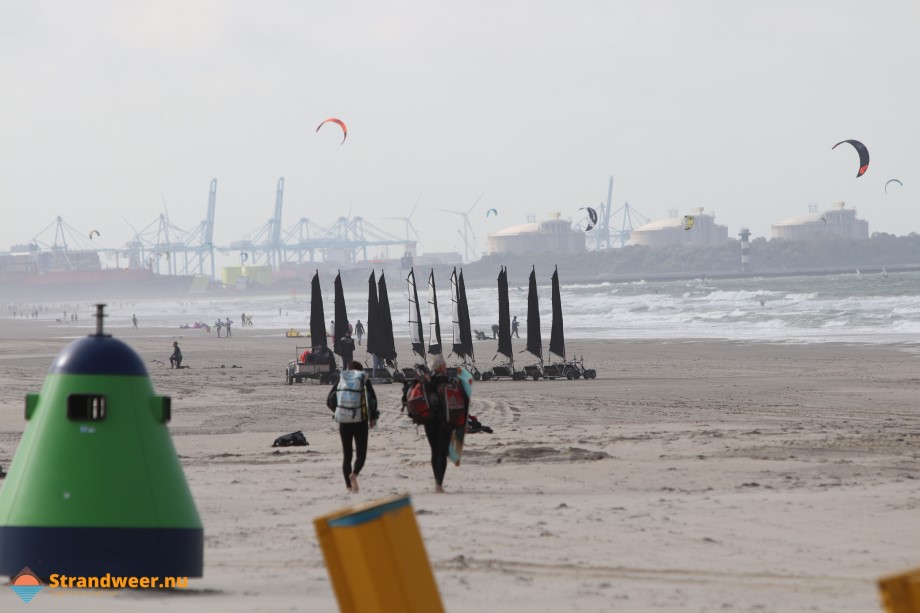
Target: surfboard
point(455, 449)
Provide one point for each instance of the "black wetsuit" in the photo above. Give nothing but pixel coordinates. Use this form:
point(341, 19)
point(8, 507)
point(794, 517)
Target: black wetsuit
point(439, 440)
point(358, 433)
point(346, 350)
point(175, 360)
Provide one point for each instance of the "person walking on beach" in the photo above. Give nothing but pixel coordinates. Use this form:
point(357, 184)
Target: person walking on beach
point(134, 320)
point(346, 349)
point(355, 406)
point(227, 323)
point(495, 331)
point(175, 360)
point(219, 325)
point(514, 327)
point(359, 330)
point(438, 431)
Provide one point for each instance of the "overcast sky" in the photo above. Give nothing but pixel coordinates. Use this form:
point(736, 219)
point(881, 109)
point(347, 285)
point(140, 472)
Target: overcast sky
point(728, 105)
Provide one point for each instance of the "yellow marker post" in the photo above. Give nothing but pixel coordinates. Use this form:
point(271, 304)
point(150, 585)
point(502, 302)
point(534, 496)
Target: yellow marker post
point(376, 559)
point(901, 593)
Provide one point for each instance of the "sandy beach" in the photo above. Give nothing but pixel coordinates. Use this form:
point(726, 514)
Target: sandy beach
point(689, 476)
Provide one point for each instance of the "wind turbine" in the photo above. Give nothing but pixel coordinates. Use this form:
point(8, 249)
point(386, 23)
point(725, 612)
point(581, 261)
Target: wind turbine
point(467, 228)
point(408, 221)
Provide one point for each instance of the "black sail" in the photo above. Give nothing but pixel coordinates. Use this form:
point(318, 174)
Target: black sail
point(534, 342)
point(373, 329)
point(386, 344)
point(434, 322)
point(341, 315)
point(557, 339)
point(504, 316)
point(317, 317)
point(466, 333)
point(415, 317)
point(457, 348)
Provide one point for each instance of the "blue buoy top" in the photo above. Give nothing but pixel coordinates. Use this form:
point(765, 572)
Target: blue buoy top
point(98, 354)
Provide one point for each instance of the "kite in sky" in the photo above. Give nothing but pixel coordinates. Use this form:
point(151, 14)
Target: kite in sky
point(592, 214)
point(863, 155)
point(341, 124)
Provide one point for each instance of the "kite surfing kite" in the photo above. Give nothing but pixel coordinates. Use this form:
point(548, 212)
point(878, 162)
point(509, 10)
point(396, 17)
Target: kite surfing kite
point(592, 214)
point(688, 221)
point(892, 181)
point(863, 155)
point(824, 220)
point(341, 124)
point(491, 212)
point(96, 232)
point(243, 256)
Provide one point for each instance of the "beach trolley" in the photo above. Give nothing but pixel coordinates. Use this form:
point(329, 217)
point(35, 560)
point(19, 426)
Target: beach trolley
point(900, 593)
point(377, 560)
point(317, 366)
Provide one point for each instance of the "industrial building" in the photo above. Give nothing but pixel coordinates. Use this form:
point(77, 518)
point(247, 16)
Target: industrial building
point(555, 235)
point(837, 222)
point(673, 231)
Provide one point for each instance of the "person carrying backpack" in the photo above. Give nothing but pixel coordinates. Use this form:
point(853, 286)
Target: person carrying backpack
point(441, 404)
point(355, 404)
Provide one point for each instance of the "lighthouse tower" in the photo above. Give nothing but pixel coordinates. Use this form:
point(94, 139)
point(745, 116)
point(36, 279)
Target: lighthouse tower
point(745, 236)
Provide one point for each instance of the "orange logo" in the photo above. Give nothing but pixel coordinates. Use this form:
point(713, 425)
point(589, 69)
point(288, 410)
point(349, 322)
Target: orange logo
point(26, 584)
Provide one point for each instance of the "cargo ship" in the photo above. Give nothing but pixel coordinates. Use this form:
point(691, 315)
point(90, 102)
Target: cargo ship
point(32, 277)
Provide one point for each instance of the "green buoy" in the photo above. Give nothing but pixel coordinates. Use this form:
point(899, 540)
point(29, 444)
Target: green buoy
point(96, 486)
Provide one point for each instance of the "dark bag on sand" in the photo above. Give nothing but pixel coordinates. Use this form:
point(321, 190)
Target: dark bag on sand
point(294, 439)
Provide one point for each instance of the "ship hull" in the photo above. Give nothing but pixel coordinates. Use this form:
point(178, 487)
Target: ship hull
point(92, 285)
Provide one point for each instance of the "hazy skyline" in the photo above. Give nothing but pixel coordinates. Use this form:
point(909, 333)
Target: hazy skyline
point(729, 106)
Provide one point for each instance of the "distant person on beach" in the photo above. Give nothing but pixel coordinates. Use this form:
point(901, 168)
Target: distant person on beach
point(514, 327)
point(359, 330)
point(134, 320)
point(495, 331)
point(175, 360)
point(346, 349)
point(355, 406)
point(219, 325)
point(227, 324)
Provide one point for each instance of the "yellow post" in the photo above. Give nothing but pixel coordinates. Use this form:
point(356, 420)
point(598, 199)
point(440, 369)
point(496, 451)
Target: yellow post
point(901, 593)
point(377, 560)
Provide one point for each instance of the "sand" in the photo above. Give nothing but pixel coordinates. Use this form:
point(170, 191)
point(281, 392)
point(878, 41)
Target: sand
point(689, 476)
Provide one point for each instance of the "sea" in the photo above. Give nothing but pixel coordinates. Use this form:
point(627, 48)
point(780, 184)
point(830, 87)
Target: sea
point(868, 306)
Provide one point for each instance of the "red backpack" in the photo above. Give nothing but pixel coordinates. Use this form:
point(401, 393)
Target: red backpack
point(444, 401)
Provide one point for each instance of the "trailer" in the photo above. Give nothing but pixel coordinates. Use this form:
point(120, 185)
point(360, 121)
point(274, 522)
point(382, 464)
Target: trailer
point(317, 366)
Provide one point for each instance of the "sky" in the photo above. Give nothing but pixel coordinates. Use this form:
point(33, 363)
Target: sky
point(115, 112)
